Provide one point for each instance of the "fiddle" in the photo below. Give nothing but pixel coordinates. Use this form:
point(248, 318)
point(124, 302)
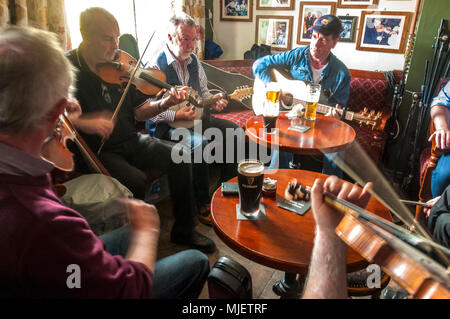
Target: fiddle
point(55, 149)
point(421, 276)
point(379, 241)
point(149, 81)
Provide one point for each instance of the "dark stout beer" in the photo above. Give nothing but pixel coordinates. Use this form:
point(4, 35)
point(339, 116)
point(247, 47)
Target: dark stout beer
point(250, 180)
point(269, 123)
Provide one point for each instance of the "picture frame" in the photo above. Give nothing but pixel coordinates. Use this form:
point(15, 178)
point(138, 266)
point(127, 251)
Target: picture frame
point(308, 12)
point(349, 28)
point(383, 31)
point(236, 10)
point(275, 31)
point(357, 4)
point(279, 5)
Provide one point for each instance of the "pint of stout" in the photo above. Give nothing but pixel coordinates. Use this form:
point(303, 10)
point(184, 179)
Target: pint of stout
point(250, 180)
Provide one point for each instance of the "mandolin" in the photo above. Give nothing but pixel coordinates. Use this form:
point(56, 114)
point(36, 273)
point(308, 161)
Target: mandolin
point(292, 91)
point(238, 94)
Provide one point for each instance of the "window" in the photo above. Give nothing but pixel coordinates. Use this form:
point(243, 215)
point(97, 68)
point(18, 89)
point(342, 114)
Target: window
point(150, 16)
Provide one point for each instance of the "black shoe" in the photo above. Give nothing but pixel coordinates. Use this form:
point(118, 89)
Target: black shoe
point(196, 240)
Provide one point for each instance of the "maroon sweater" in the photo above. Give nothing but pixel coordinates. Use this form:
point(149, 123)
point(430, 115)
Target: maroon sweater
point(40, 238)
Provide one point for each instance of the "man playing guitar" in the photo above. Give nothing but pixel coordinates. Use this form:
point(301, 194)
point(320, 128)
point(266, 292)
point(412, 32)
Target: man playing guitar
point(314, 63)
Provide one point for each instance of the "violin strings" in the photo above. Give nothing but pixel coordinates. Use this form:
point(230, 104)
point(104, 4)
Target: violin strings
point(357, 164)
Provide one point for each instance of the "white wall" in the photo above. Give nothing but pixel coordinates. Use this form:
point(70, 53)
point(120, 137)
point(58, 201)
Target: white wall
point(237, 37)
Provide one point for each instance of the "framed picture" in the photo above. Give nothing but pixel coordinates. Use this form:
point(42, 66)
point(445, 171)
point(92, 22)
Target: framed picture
point(357, 4)
point(308, 13)
point(236, 10)
point(275, 4)
point(383, 31)
point(275, 31)
point(349, 28)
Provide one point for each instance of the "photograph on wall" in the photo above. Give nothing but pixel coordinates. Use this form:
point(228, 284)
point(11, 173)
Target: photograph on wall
point(275, 4)
point(275, 31)
point(309, 12)
point(383, 31)
point(236, 10)
point(348, 28)
point(357, 4)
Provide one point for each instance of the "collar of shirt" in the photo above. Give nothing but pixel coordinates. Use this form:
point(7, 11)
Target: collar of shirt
point(17, 162)
point(171, 59)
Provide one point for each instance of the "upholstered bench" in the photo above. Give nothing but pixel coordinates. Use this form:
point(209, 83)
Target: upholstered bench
point(368, 89)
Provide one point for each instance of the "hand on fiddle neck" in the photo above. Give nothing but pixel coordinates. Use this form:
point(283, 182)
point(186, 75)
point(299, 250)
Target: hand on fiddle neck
point(325, 216)
point(98, 123)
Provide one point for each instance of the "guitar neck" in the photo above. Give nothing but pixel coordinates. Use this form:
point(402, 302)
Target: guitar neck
point(324, 109)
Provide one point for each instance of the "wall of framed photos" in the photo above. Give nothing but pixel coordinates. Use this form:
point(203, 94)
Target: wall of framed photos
point(357, 50)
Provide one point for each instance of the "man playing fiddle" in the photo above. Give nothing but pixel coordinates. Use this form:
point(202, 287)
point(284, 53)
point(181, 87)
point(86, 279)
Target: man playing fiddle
point(127, 153)
point(182, 67)
point(44, 245)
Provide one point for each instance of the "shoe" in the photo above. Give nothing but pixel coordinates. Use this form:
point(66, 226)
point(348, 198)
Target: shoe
point(195, 240)
point(204, 216)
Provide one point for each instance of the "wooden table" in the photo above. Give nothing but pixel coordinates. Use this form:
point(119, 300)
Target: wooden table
point(283, 240)
point(326, 135)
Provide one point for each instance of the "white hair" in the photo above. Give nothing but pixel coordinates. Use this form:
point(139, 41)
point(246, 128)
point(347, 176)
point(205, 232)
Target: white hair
point(34, 76)
point(179, 18)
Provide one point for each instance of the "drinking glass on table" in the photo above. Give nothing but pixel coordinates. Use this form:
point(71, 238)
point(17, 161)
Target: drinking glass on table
point(312, 97)
point(271, 107)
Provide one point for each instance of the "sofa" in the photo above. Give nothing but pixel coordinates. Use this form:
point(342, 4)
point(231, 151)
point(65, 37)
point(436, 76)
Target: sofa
point(368, 89)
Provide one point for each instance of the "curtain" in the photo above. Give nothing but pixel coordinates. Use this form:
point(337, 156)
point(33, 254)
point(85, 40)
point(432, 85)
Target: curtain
point(196, 9)
point(42, 14)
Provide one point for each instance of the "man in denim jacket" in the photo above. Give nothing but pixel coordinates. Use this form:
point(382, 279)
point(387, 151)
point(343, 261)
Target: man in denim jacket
point(314, 63)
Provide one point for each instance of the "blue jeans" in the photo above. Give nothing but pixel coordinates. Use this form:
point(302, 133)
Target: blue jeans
point(440, 178)
point(283, 159)
point(180, 276)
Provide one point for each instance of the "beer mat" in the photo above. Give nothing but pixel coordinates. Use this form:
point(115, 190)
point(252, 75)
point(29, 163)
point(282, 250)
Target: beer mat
point(260, 216)
point(299, 128)
point(298, 207)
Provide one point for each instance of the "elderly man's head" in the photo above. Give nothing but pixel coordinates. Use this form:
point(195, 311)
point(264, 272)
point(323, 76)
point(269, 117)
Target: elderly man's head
point(35, 76)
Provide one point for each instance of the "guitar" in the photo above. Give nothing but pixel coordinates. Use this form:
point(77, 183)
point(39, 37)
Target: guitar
point(238, 94)
point(291, 94)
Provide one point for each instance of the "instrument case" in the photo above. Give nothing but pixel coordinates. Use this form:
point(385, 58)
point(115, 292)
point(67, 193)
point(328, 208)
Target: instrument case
point(229, 280)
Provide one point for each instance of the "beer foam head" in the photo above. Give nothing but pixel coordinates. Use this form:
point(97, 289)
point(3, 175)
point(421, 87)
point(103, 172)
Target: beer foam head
point(251, 168)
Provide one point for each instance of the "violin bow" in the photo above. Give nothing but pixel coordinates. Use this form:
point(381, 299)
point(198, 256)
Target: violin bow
point(122, 98)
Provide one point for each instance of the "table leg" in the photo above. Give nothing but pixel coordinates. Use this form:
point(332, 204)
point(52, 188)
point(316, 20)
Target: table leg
point(288, 287)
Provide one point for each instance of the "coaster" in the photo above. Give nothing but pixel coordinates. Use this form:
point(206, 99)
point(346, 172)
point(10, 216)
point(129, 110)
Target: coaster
point(298, 207)
point(299, 128)
point(260, 216)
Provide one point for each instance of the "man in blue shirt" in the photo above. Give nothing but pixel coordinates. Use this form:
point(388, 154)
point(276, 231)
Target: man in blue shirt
point(440, 115)
point(314, 63)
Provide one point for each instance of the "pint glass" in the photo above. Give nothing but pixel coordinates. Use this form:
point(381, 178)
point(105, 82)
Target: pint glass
point(312, 98)
point(250, 180)
point(271, 108)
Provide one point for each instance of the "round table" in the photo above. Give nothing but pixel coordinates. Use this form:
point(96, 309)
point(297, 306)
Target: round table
point(326, 134)
point(284, 240)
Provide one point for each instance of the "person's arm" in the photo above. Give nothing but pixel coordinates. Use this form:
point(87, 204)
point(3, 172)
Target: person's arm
point(327, 273)
point(440, 115)
point(144, 221)
point(151, 107)
point(261, 66)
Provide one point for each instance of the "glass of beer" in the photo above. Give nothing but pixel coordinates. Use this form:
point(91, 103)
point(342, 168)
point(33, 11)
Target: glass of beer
point(311, 98)
point(250, 181)
point(271, 108)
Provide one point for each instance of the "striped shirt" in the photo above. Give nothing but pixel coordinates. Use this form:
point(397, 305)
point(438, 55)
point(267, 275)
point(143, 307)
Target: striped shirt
point(183, 77)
